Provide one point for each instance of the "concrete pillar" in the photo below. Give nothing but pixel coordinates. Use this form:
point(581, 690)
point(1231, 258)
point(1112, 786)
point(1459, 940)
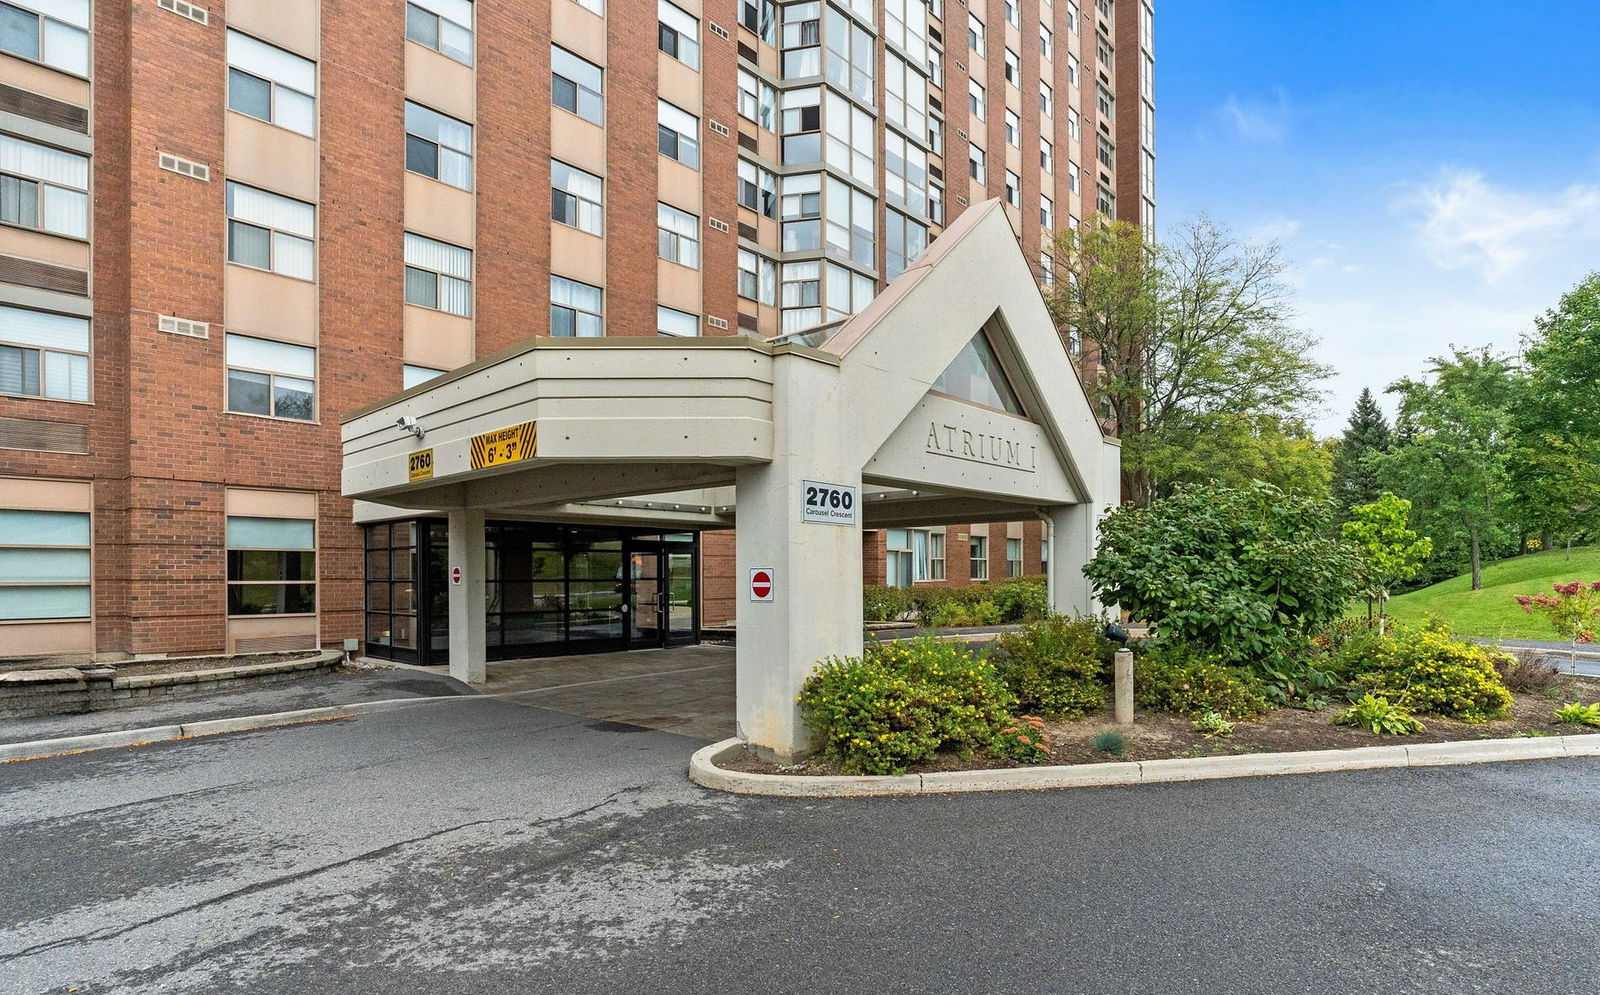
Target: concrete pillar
point(1122, 685)
point(815, 609)
point(468, 659)
point(1072, 529)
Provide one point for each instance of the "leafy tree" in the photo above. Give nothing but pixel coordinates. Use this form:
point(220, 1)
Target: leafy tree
point(1177, 340)
point(1453, 464)
point(1391, 550)
point(1354, 480)
point(1233, 450)
point(1244, 572)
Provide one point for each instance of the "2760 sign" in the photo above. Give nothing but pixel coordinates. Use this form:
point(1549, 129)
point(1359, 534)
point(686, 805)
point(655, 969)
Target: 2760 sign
point(827, 504)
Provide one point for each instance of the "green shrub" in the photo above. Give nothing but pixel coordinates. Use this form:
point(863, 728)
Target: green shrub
point(1579, 714)
point(1021, 599)
point(884, 604)
point(948, 615)
point(1023, 740)
point(984, 613)
point(901, 702)
point(1248, 573)
point(1380, 716)
point(1171, 677)
point(1212, 725)
point(1055, 666)
point(1428, 670)
point(1111, 741)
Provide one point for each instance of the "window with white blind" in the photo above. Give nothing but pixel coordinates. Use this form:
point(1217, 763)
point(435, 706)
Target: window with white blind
point(678, 134)
point(442, 25)
point(438, 146)
point(758, 189)
point(851, 139)
point(273, 379)
point(44, 565)
point(978, 558)
point(43, 188)
point(758, 101)
point(271, 232)
point(54, 32)
point(272, 566)
point(977, 99)
point(671, 321)
point(271, 84)
point(678, 33)
point(576, 198)
point(905, 96)
point(1013, 129)
point(575, 309)
point(677, 236)
point(758, 278)
point(577, 85)
point(1013, 557)
point(44, 355)
point(438, 275)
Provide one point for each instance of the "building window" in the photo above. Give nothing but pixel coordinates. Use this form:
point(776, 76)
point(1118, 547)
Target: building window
point(936, 556)
point(1072, 176)
point(1074, 124)
point(1105, 152)
point(1105, 201)
point(976, 166)
point(851, 139)
point(672, 322)
point(575, 309)
point(846, 292)
point(905, 96)
point(977, 99)
point(438, 146)
point(438, 275)
point(905, 23)
point(43, 188)
point(758, 101)
point(677, 236)
point(270, 232)
point(1044, 556)
point(1047, 43)
point(905, 241)
point(576, 197)
point(935, 134)
point(596, 7)
point(802, 212)
point(274, 379)
point(978, 558)
point(1013, 68)
point(44, 355)
point(758, 189)
point(802, 40)
point(1047, 99)
point(848, 216)
point(412, 376)
point(802, 125)
point(678, 34)
point(271, 84)
point(897, 560)
point(1072, 70)
point(975, 40)
point(1104, 51)
point(758, 278)
point(678, 134)
point(801, 296)
point(761, 18)
point(272, 566)
point(912, 555)
point(905, 173)
point(850, 57)
point(1013, 189)
point(44, 565)
point(936, 203)
point(1072, 16)
point(1012, 17)
point(442, 25)
point(577, 85)
point(1047, 214)
point(1013, 129)
point(1013, 557)
point(54, 32)
point(1105, 103)
point(1047, 270)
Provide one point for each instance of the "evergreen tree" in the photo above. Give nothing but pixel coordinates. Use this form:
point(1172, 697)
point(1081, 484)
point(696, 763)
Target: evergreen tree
point(1354, 480)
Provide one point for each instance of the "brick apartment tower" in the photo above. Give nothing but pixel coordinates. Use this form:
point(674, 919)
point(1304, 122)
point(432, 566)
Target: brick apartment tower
point(225, 224)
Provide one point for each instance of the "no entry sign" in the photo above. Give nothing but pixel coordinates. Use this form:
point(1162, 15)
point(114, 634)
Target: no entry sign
point(455, 575)
point(762, 583)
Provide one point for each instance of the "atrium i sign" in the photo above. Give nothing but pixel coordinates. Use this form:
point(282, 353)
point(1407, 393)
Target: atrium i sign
point(981, 447)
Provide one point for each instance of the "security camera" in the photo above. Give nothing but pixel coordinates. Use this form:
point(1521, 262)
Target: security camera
point(406, 423)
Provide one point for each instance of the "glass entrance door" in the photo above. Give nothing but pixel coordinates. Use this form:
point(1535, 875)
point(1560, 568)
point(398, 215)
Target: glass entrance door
point(663, 602)
point(645, 601)
point(680, 597)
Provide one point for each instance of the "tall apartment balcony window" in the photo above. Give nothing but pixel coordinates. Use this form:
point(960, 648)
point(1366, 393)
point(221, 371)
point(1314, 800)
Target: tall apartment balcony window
point(935, 134)
point(1105, 201)
point(802, 40)
point(1073, 70)
point(801, 296)
point(850, 57)
point(905, 174)
point(1012, 17)
point(576, 197)
point(1013, 68)
point(761, 18)
point(679, 324)
point(44, 565)
point(44, 355)
point(758, 189)
point(1013, 189)
point(677, 236)
point(678, 33)
point(936, 203)
point(438, 146)
point(846, 292)
point(977, 165)
point(1047, 214)
point(1072, 176)
point(1047, 43)
point(1105, 52)
point(442, 25)
point(270, 84)
point(1105, 103)
point(575, 309)
point(1013, 129)
point(802, 126)
point(1147, 125)
point(1047, 155)
point(848, 216)
point(802, 212)
point(1047, 99)
point(1105, 152)
point(905, 96)
point(1148, 218)
point(272, 566)
point(904, 241)
point(54, 32)
point(976, 41)
point(274, 379)
point(1074, 124)
point(905, 24)
point(412, 376)
point(271, 232)
point(678, 134)
point(1107, 9)
point(758, 101)
point(977, 100)
point(1073, 18)
point(851, 139)
point(577, 85)
point(43, 188)
point(438, 275)
point(758, 278)
point(1147, 176)
point(1147, 29)
point(1147, 79)
point(936, 64)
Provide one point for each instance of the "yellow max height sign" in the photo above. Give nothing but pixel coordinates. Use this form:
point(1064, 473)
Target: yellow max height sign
point(506, 445)
point(420, 465)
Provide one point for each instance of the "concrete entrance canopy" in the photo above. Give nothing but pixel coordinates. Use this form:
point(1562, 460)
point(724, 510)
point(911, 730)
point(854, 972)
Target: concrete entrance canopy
point(887, 409)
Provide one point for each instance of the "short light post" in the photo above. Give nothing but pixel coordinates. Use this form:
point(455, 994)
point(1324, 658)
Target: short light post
point(1122, 673)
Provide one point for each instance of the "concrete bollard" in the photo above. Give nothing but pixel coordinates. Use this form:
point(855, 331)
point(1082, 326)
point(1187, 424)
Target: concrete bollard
point(1122, 672)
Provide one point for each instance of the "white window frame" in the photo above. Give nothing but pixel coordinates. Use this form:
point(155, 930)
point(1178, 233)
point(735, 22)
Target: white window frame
point(64, 348)
point(446, 16)
point(672, 119)
point(677, 235)
point(422, 118)
point(598, 325)
point(59, 22)
point(60, 186)
point(237, 362)
point(448, 266)
point(287, 222)
point(683, 28)
point(290, 79)
point(569, 182)
point(561, 59)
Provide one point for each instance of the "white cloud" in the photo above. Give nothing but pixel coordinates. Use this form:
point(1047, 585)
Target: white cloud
point(1463, 221)
point(1260, 121)
point(1274, 228)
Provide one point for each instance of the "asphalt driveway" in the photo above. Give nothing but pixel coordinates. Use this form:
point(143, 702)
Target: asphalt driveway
point(481, 846)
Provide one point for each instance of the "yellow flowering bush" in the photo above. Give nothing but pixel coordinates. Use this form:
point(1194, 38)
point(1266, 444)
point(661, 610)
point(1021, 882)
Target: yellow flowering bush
point(1427, 669)
point(1174, 677)
point(1054, 666)
point(901, 702)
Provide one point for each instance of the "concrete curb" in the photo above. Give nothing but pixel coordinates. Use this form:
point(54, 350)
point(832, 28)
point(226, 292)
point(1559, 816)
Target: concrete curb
point(703, 769)
point(41, 748)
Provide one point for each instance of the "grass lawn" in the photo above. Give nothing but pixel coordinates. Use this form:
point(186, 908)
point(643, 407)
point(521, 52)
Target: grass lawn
point(1492, 613)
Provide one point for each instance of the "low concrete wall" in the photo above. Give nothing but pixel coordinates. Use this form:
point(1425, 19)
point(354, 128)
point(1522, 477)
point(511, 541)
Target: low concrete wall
point(71, 690)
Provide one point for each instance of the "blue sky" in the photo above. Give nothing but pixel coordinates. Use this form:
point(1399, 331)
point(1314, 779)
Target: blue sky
point(1432, 169)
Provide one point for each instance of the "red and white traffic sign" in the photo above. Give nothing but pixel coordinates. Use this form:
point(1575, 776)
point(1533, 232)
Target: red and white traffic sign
point(455, 575)
point(761, 583)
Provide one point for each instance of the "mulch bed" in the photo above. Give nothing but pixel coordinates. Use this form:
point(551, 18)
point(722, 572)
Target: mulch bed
point(1159, 736)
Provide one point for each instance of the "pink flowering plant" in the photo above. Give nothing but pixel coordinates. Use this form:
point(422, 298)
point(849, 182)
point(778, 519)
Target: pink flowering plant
point(1572, 610)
